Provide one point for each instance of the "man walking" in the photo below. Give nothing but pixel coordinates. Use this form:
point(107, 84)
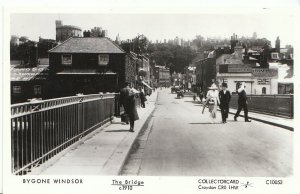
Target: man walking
point(224, 96)
point(127, 100)
point(142, 98)
point(242, 103)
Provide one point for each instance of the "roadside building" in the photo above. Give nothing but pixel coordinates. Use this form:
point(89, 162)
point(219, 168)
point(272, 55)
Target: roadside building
point(87, 65)
point(28, 83)
point(162, 75)
point(131, 72)
point(205, 70)
point(144, 79)
point(233, 69)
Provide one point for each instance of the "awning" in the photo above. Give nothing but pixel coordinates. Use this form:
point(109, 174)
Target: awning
point(146, 85)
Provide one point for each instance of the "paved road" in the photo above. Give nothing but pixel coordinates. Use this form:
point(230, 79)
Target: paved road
point(181, 141)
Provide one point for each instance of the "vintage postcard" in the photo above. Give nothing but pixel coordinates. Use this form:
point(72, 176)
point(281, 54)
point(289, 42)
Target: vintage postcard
point(150, 100)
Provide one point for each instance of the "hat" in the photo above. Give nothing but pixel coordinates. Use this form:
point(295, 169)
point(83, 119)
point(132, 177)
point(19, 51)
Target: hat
point(224, 85)
point(213, 87)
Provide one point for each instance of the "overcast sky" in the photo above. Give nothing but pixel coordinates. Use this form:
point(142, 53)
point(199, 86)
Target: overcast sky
point(160, 26)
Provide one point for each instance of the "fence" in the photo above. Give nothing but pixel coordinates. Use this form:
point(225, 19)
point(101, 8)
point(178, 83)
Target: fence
point(279, 105)
point(41, 129)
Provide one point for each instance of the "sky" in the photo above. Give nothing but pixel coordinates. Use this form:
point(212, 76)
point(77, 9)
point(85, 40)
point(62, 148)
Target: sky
point(160, 26)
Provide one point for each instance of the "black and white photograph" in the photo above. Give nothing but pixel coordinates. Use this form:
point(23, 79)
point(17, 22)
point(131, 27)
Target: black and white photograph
point(135, 96)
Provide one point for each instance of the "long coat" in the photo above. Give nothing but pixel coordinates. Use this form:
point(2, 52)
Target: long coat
point(242, 101)
point(128, 102)
point(224, 99)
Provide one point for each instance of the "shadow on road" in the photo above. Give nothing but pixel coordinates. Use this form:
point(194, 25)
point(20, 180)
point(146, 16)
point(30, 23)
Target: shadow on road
point(118, 122)
point(204, 123)
point(195, 102)
point(118, 130)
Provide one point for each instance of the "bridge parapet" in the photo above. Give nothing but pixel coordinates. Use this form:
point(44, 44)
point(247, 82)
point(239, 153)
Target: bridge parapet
point(278, 105)
point(42, 128)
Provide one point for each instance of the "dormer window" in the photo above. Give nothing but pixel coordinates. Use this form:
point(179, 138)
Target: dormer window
point(66, 59)
point(103, 59)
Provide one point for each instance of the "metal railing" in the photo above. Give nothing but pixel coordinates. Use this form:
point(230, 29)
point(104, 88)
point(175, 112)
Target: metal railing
point(278, 105)
point(41, 129)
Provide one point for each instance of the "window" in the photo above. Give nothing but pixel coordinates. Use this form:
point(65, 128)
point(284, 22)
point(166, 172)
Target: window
point(66, 59)
point(275, 56)
point(16, 89)
point(264, 90)
point(103, 59)
point(37, 89)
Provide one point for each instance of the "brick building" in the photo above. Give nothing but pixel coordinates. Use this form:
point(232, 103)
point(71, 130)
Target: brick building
point(87, 65)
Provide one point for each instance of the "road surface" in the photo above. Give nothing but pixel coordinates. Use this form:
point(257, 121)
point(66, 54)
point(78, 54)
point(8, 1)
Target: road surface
point(180, 140)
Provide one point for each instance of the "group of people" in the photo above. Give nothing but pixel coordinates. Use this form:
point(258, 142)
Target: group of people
point(213, 99)
point(222, 98)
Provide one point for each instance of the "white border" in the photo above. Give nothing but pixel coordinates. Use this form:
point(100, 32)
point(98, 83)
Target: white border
point(101, 184)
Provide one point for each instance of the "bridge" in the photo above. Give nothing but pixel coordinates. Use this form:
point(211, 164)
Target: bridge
point(172, 137)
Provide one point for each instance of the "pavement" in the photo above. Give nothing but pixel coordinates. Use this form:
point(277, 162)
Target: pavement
point(102, 152)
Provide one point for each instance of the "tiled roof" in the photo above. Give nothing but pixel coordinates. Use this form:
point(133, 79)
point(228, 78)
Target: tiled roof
point(87, 45)
point(29, 74)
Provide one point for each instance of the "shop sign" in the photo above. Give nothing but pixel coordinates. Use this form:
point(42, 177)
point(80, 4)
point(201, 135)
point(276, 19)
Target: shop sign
point(264, 72)
point(263, 81)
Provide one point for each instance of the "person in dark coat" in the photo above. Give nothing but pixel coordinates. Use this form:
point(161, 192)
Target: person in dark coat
point(242, 103)
point(142, 98)
point(224, 96)
point(127, 100)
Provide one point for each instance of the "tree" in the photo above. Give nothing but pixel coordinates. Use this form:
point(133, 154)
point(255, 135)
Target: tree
point(97, 32)
point(140, 44)
point(86, 33)
point(163, 57)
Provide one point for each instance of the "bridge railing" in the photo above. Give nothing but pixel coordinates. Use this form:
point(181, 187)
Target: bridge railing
point(41, 129)
point(278, 105)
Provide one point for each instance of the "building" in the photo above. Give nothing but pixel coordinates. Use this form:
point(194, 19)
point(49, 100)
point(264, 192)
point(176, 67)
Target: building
point(232, 69)
point(131, 69)
point(205, 71)
point(14, 40)
point(63, 32)
point(285, 78)
point(87, 65)
point(144, 73)
point(28, 83)
point(162, 76)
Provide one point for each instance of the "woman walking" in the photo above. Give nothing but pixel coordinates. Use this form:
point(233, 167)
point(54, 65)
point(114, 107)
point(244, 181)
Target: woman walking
point(212, 101)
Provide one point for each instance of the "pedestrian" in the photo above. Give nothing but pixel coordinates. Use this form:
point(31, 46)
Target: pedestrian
point(142, 98)
point(201, 95)
point(242, 103)
point(212, 101)
point(127, 100)
point(224, 96)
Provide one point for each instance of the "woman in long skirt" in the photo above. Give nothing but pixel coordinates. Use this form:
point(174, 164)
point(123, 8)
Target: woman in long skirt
point(212, 100)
